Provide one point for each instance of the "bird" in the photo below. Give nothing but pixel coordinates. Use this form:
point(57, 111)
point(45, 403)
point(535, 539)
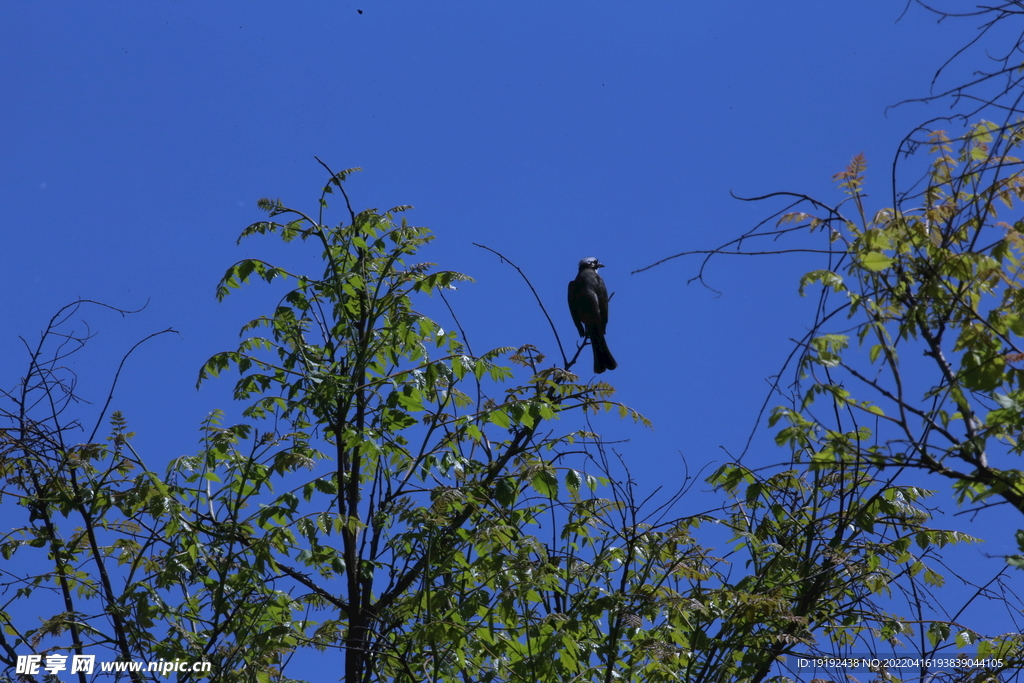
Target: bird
point(588, 303)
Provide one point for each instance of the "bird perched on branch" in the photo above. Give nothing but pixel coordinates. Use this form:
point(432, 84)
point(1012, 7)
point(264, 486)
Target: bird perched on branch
point(588, 303)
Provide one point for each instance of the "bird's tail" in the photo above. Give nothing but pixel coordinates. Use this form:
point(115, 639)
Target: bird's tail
point(603, 359)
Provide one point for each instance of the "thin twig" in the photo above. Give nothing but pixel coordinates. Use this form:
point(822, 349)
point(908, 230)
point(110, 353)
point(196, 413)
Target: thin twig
point(540, 303)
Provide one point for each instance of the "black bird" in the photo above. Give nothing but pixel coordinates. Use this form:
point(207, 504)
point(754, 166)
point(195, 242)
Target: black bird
point(588, 303)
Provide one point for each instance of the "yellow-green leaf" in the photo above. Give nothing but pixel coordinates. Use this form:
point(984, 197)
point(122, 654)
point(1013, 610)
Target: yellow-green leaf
point(875, 261)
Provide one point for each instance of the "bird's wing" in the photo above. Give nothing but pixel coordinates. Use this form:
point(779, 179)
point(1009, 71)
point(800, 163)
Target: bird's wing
point(598, 300)
point(602, 302)
point(574, 305)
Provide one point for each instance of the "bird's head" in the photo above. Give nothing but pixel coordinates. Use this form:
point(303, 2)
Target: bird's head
point(590, 262)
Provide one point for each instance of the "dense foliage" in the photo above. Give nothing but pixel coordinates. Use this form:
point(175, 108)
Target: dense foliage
point(407, 511)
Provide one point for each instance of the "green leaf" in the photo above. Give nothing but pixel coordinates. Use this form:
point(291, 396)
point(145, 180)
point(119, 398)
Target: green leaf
point(546, 483)
point(573, 480)
point(875, 261)
point(505, 491)
point(1007, 402)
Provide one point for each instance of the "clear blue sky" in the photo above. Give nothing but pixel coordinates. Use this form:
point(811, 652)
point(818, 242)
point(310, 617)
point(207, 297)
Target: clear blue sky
point(138, 136)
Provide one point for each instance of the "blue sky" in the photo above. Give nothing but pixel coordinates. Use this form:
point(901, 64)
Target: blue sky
point(138, 136)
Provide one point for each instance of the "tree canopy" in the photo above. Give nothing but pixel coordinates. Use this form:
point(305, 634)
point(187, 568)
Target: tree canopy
point(430, 514)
